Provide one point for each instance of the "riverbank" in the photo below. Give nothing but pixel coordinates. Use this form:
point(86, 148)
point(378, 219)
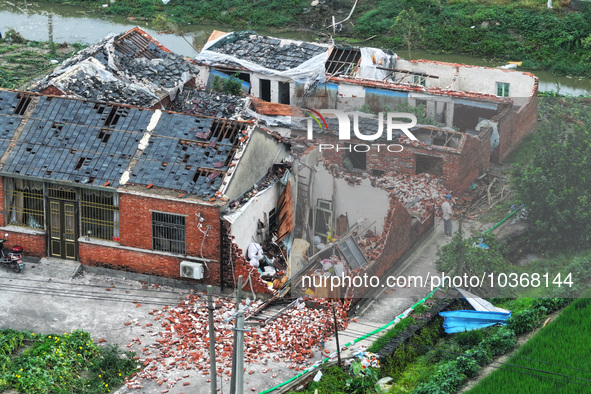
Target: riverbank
point(558, 39)
point(21, 60)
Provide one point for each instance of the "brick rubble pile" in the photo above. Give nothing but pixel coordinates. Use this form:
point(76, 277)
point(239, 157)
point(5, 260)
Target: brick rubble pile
point(182, 343)
point(419, 193)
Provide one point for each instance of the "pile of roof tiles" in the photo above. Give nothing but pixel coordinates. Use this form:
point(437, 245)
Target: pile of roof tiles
point(203, 102)
point(165, 71)
point(93, 88)
point(266, 51)
point(183, 342)
point(123, 65)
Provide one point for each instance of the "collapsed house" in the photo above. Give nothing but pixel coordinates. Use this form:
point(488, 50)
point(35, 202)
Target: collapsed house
point(360, 209)
point(129, 68)
point(135, 69)
point(132, 189)
point(180, 195)
point(457, 96)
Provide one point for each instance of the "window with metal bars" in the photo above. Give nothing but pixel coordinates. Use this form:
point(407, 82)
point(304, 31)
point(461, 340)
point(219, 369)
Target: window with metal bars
point(99, 214)
point(169, 232)
point(24, 203)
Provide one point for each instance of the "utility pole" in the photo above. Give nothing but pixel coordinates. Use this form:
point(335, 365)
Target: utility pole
point(239, 350)
point(234, 358)
point(336, 333)
point(212, 355)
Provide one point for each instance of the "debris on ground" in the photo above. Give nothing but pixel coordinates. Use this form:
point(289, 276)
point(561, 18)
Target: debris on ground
point(182, 343)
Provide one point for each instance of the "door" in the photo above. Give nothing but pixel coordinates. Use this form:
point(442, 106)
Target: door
point(63, 229)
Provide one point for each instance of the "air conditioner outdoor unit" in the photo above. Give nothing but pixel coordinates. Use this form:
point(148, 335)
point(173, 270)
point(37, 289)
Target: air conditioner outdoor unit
point(191, 270)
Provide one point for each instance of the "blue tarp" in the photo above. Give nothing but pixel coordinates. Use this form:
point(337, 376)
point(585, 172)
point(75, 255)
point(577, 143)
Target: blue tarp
point(460, 321)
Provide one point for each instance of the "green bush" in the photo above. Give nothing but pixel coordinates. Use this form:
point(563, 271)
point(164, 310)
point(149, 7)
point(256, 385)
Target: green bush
point(333, 381)
point(379, 343)
point(467, 366)
point(68, 363)
point(446, 379)
point(554, 186)
point(459, 256)
point(499, 341)
point(481, 355)
point(469, 338)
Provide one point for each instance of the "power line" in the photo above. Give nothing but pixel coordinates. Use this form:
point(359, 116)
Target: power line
point(543, 376)
point(85, 284)
point(145, 299)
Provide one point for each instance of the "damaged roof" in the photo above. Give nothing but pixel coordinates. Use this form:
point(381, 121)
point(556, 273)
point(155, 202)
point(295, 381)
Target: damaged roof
point(273, 53)
point(93, 143)
point(203, 102)
point(130, 68)
point(430, 137)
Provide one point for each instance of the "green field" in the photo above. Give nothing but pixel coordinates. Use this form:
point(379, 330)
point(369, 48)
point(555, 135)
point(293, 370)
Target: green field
point(561, 350)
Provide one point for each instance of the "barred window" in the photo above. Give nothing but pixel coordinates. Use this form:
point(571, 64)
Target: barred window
point(99, 214)
point(24, 203)
point(168, 232)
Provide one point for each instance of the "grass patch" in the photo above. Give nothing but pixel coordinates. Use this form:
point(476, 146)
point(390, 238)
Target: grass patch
point(496, 213)
point(23, 61)
point(563, 342)
point(392, 333)
point(68, 363)
point(525, 151)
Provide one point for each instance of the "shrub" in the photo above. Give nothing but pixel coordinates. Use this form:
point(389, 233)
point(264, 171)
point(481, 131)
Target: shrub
point(524, 321)
point(332, 382)
point(500, 341)
point(480, 355)
point(459, 256)
point(469, 338)
point(467, 366)
point(233, 85)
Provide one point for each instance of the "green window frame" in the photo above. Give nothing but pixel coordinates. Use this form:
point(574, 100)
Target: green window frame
point(502, 89)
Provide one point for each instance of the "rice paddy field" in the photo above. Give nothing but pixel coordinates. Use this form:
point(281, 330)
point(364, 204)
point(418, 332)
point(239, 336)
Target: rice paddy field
point(556, 360)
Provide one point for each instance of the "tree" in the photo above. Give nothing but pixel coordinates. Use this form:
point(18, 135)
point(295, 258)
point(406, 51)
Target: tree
point(408, 26)
point(556, 185)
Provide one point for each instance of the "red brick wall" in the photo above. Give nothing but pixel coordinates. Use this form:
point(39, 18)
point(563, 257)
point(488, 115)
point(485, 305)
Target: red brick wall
point(141, 262)
point(473, 161)
point(136, 223)
point(460, 167)
point(33, 244)
point(513, 127)
point(52, 91)
point(400, 234)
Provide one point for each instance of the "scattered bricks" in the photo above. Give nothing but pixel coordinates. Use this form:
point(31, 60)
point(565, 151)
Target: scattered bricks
point(289, 337)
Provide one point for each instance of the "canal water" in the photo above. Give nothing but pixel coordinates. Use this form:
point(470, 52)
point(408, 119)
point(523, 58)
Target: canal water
point(39, 21)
